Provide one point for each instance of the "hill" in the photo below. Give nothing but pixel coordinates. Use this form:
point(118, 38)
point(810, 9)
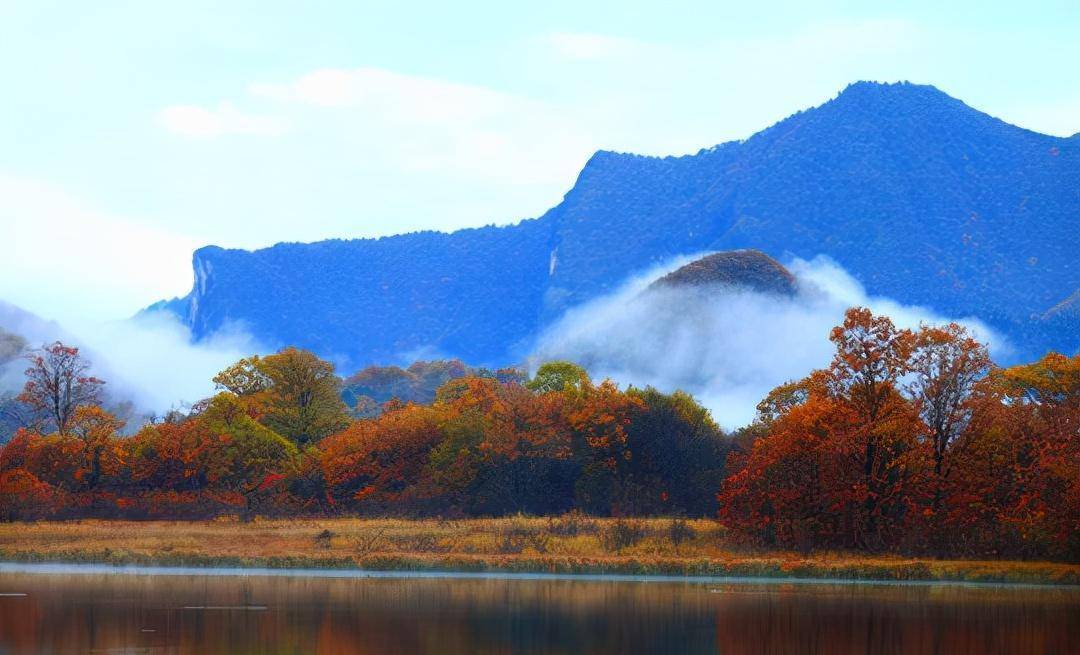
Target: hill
point(747, 269)
point(920, 197)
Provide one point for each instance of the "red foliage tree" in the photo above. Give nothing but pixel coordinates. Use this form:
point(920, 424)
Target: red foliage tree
point(58, 382)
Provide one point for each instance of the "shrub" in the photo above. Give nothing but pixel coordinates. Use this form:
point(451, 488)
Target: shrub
point(322, 540)
point(679, 532)
point(622, 534)
point(571, 524)
point(424, 543)
point(514, 540)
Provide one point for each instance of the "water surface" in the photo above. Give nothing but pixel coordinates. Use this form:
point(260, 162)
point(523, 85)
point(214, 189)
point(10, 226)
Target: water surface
point(84, 610)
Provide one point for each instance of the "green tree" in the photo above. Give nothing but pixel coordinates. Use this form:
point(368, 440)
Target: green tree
point(292, 392)
point(559, 376)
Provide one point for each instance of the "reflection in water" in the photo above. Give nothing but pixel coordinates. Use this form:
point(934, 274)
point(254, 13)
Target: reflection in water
point(207, 615)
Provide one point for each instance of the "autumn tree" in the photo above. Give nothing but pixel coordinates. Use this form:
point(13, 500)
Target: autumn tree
point(247, 453)
point(58, 383)
point(1045, 396)
point(599, 419)
point(881, 435)
point(245, 378)
point(677, 449)
point(945, 366)
point(783, 492)
point(840, 460)
point(505, 448)
point(304, 399)
point(96, 428)
point(379, 464)
point(24, 497)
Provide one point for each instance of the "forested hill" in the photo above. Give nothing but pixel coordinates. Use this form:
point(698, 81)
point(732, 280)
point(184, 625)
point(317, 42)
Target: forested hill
point(919, 196)
point(746, 269)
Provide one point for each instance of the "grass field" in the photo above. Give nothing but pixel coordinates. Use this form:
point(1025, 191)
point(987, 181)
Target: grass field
point(569, 544)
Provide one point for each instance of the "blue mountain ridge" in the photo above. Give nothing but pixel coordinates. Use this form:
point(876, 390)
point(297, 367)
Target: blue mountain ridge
point(920, 197)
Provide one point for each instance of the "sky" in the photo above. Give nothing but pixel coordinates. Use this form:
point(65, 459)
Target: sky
point(132, 133)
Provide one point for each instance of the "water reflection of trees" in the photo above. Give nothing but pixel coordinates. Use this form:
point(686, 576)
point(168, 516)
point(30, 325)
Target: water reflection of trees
point(332, 616)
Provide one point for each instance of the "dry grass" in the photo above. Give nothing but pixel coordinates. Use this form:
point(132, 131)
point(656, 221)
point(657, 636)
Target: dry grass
point(570, 544)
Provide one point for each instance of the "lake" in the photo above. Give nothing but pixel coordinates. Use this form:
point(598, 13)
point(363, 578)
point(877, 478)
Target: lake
point(58, 609)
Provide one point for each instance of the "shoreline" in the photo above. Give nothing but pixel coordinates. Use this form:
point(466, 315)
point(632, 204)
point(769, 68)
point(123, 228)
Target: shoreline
point(66, 568)
point(503, 547)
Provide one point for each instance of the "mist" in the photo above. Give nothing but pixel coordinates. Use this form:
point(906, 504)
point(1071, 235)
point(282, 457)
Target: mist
point(152, 360)
point(727, 347)
point(149, 361)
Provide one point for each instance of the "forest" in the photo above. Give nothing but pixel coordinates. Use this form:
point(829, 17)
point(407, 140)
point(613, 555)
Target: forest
point(909, 441)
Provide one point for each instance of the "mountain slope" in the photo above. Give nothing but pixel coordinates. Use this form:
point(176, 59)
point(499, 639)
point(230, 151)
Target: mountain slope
point(919, 196)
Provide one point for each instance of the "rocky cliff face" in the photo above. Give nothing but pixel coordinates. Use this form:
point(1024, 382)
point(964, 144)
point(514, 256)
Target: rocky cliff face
point(920, 197)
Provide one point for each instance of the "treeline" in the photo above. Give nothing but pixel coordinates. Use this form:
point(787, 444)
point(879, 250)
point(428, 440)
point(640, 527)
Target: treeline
point(914, 442)
point(909, 441)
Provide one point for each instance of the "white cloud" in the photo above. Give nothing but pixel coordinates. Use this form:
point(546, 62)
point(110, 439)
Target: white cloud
point(405, 98)
point(151, 359)
point(412, 123)
point(200, 122)
point(868, 36)
point(66, 260)
point(588, 46)
point(728, 348)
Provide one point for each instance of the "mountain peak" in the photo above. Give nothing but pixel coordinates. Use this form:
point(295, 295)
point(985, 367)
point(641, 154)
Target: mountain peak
point(918, 196)
point(903, 86)
point(883, 96)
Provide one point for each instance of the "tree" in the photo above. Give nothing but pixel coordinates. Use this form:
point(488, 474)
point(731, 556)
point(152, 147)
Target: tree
point(380, 463)
point(292, 392)
point(783, 492)
point(304, 398)
point(58, 383)
point(871, 357)
point(840, 463)
point(247, 452)
point(24, 497)
point(1052, 382)
point(944, 368)
point(677, 450)
point(96, 428)
point(1045, 395)
point(244, 378)
point(559, 376)
point(599, 419)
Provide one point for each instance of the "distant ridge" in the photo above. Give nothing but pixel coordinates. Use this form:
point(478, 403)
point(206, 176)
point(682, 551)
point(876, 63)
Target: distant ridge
point(920, 197)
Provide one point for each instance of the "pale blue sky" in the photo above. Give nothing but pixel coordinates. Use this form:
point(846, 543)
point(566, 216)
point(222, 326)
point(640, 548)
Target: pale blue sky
point(131, 133)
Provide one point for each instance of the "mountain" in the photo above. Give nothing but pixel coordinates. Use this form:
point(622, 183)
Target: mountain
point(19, 332)
point(31, 327)
point(745, 269)
point(920, 197)
point(1062, 323)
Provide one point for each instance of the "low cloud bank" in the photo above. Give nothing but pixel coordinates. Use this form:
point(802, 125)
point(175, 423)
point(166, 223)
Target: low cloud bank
point(149, 360)
point(727, 347)
point(152, 360)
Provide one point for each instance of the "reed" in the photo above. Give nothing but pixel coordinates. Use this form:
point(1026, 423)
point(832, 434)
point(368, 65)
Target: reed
point(565, 545)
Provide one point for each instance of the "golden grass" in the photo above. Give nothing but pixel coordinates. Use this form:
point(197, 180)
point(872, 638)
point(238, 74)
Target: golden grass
point(571, 544)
